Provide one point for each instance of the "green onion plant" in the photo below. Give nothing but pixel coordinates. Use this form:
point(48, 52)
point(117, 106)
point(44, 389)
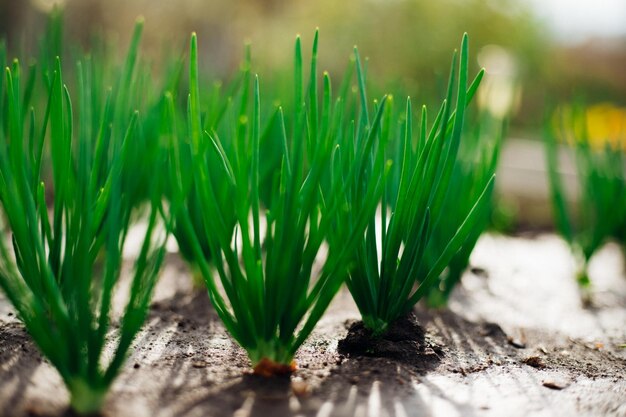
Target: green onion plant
point(391, 272)
point(476, 165)
point(271, 282)
point(232, 103)
point(60, 260)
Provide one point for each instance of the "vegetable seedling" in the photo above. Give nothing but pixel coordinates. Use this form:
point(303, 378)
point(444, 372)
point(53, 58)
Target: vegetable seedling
point(476, 165)
point(390, 274)
point(63, 261)
point(230, 104)
point(271, 283)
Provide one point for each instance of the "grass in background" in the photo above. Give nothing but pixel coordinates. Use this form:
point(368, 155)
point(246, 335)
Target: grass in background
point(601, 173)
point(65, 257)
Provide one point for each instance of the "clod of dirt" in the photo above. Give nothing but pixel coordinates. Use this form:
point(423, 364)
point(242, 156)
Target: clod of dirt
point(405, 340)
point(535, 362)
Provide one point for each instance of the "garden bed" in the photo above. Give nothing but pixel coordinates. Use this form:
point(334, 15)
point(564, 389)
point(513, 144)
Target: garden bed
point(515, 341)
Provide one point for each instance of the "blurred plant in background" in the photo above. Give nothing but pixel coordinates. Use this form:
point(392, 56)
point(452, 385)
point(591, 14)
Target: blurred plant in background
point(596, 136)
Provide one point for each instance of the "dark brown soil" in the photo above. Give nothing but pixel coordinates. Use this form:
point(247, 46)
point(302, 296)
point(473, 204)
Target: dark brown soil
point(404, 341)
point(515, 341)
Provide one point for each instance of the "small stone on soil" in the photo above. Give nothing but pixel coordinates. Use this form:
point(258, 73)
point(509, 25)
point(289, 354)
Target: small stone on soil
point(479, 272)
point(516, 343)
point(555, 385)
point(299, 387)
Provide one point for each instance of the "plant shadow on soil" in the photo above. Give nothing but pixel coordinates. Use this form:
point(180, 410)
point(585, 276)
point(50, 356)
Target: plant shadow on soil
point(343, 380)
point(346, 376)
point(186, 364)
point(175, 358)
point(19, 358)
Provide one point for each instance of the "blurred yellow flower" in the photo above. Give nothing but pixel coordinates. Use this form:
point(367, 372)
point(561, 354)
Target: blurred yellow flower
point(600, 125)
point(606, 123)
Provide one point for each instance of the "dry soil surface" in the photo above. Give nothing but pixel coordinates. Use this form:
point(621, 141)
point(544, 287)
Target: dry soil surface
point(515, 341)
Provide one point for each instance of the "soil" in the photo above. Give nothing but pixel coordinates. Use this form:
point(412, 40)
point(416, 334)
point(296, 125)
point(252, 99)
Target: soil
point(404, 340)
point(515, 341)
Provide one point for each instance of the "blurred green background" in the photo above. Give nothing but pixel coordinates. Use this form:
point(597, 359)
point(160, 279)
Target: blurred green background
point(537, 54)
point(531, 62)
